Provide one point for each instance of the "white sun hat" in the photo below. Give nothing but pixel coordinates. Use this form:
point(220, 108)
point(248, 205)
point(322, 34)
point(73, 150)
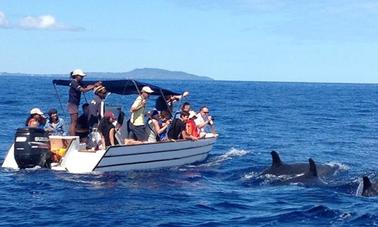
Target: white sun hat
point(147, 89)
point(36, 111)
point(78, 72)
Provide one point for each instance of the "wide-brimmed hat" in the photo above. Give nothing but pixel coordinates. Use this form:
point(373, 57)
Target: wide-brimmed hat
point(78, 72)
point(192, 114)
point(99, 89)
point(109, 114)
point(147, 89)
point(36, 111)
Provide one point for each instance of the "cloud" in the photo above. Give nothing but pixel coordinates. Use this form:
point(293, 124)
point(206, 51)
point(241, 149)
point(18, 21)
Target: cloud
point(45, 22)
point(3, 20)
point(41, 22)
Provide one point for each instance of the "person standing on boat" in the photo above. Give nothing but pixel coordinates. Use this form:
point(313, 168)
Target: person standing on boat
point(137, 125)
point(82, 129)
point(55, 124)
point(165, 103)
point(97, 106)
point(74, 95)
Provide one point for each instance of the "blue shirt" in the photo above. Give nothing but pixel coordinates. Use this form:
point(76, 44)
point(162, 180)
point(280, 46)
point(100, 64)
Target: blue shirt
point(55, 129)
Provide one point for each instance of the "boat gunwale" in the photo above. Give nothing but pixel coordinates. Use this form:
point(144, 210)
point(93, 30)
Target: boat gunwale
point(160, 151)
point(160, 142)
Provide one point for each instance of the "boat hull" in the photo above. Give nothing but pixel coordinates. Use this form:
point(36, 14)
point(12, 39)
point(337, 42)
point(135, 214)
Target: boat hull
point(153, 156)
point(127, 157)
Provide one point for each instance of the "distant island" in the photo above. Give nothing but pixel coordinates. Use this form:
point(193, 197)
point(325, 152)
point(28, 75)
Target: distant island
point(139, 74)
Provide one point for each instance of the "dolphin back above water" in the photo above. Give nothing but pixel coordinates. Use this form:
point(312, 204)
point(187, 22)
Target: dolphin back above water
point(367, 188)
point(310, 177)
point(279, 168)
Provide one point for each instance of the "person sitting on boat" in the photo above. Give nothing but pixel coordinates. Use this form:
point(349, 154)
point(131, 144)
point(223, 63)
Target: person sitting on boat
point(107, 130)
point(96, 106)
point(137, 125)
point(165, 120)
point(191, 127)
point(166, 103)
point(74, 95)
point(178, 128)
point(55, 124)
point(36, 119)
point(82, 129)
point(204, 121)
point(155, 127)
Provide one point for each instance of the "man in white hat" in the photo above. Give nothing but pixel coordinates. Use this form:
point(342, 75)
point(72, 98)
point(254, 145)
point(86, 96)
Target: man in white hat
point(137, 125)
point(74, 95)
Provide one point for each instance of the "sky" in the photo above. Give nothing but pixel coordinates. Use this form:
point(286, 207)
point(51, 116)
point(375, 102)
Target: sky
point(248, 40)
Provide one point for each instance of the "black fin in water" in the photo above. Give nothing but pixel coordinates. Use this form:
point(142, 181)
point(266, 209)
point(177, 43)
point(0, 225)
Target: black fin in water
point(312, 168)
point(367, 183)
point(276, 161)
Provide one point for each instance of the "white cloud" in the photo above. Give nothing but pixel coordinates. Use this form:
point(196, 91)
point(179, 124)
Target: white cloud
point(3, 20)
point(45, 22)
point(41, 22)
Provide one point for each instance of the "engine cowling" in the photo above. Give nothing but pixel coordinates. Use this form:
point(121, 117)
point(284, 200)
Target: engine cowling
point(31, 148)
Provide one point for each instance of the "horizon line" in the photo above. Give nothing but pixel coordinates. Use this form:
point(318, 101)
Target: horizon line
point(212, 79)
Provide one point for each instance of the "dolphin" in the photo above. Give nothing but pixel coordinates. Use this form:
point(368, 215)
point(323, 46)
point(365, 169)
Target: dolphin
point(279, 168)
point(310, 177)
point(367, 188)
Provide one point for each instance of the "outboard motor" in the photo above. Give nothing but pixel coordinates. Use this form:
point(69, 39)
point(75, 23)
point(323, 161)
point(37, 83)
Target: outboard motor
point(31, 148)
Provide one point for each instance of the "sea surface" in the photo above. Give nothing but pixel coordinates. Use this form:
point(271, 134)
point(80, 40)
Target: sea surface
point(335, 124)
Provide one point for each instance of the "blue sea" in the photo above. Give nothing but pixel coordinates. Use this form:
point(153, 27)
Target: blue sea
point(335, 124)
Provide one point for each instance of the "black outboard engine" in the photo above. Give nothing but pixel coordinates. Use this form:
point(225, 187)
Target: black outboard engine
point(31, 148)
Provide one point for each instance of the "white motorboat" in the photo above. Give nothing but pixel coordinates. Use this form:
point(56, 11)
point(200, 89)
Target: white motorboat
point(32, 146)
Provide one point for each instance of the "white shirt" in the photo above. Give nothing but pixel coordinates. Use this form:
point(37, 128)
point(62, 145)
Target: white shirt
point(199, 120)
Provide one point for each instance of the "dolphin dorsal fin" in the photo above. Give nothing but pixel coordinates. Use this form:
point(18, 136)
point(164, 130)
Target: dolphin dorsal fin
point(276, 161)
point(312, 168)
point(366, 183)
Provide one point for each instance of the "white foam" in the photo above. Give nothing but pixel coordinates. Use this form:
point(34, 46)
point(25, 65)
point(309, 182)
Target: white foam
point(344, 216)
point(230, 154)
point(248, 176)
point(360, 188)
point(233, 152)
point(339, 165)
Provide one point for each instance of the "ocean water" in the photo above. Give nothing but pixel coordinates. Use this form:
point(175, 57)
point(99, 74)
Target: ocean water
point(335, 124)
